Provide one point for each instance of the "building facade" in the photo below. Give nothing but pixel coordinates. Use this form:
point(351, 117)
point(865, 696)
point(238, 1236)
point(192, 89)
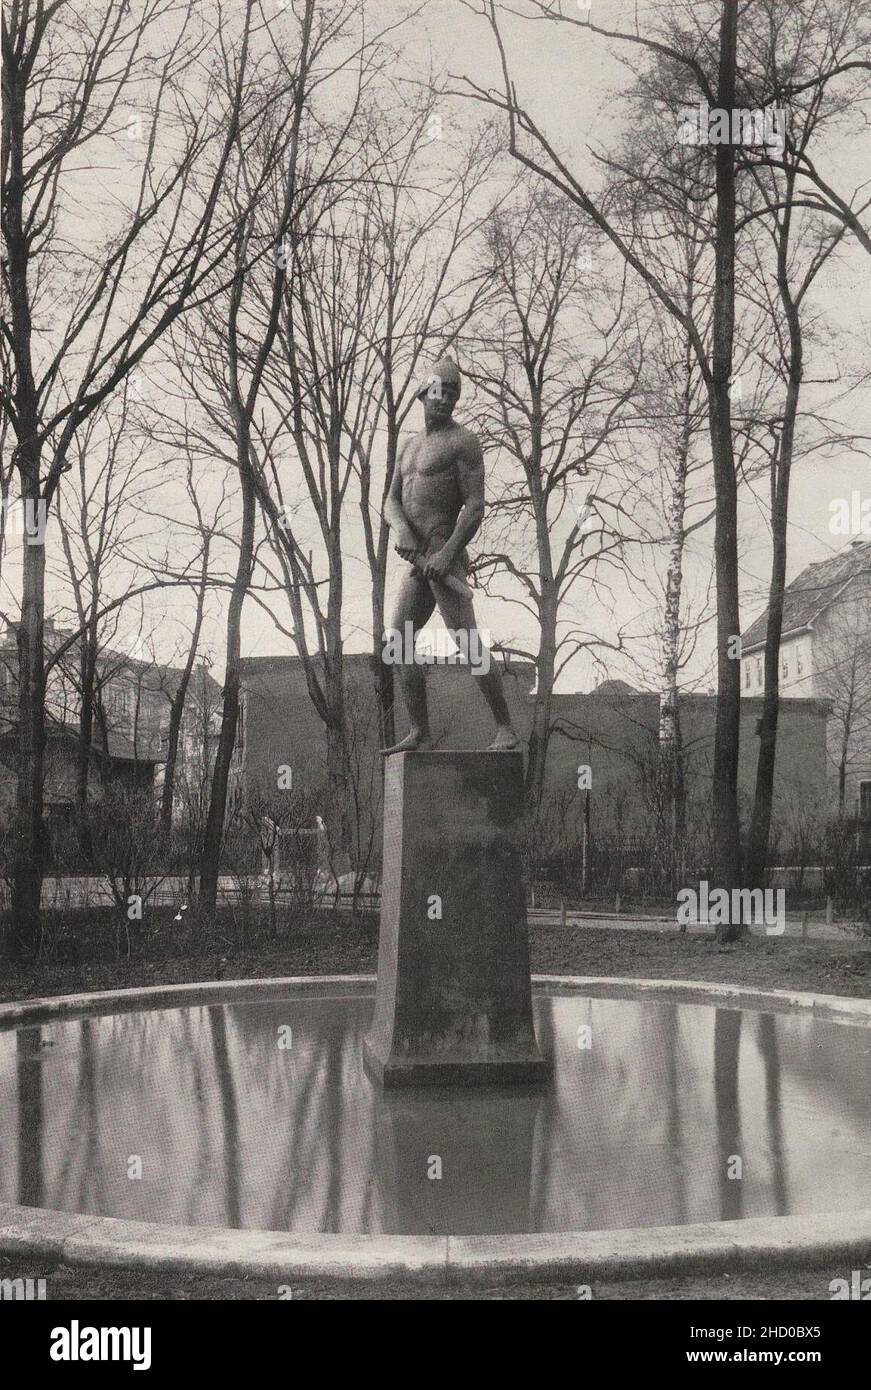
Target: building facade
point(825, 654)
point(131, 710)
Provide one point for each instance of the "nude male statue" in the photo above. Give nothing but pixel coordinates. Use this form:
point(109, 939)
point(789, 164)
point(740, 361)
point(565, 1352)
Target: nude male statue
point(434, 507)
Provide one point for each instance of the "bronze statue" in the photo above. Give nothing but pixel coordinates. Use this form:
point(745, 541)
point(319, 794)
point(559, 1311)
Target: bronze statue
point(435, 506)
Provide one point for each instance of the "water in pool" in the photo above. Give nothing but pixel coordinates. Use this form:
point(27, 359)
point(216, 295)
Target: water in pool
point(261, 1115)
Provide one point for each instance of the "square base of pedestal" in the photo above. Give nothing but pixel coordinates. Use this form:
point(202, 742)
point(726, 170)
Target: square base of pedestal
point(455, 1071)
point(454, 1000)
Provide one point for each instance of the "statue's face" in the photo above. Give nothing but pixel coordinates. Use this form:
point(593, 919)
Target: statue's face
point(439, 401)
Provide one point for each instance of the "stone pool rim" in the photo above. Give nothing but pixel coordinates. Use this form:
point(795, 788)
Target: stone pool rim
point(85, 1240)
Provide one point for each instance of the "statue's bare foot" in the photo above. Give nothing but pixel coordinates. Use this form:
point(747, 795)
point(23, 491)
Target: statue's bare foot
point(505, 740)
point(414, 742)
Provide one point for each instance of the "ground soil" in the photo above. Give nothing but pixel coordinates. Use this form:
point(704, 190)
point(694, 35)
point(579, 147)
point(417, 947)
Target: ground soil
point(332, 945)
point(64, 1282)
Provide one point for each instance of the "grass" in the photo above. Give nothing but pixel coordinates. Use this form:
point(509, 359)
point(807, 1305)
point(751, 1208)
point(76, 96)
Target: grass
point(65, 1282)
point(163, 953)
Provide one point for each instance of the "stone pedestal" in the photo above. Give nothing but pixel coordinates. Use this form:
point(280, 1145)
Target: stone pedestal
point(454, 1001)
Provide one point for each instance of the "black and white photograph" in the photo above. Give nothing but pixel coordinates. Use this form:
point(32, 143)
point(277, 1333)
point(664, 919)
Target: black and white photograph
point(435, 672)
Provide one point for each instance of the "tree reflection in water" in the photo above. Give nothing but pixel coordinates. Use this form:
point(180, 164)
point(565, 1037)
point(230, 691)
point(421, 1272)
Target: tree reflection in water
point(29, 1057)
point(766, 1037)
point(727, 1046)
point(234, 1130)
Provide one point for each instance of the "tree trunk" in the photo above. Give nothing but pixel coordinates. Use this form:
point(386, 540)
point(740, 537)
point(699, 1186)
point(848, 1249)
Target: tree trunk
point(29, 846)
point(548, 601)
point(673, 792)
point(84, 753)
point(760, 828)
point(727, 849)
point(338, 783)
point(587, 877)
point(176, 710)
point(539, 735)
point(338, 772)
point(670, 745)
point(27, 865)
point(214, 834)
point(382, 671)
point(384, 684)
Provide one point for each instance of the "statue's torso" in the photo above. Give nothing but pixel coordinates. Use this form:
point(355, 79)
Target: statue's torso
point(431, 497)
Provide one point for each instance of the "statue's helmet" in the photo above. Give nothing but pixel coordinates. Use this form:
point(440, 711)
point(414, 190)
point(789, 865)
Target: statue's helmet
point(445, 372)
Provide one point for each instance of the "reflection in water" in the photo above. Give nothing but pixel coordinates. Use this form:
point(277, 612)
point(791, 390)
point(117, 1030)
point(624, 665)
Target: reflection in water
point(233, 1128)
point(766, 1037)
point(668, 1016)
point(229, 1114)
point(29, 1058)
point(455, 1172)
point(727, 1043)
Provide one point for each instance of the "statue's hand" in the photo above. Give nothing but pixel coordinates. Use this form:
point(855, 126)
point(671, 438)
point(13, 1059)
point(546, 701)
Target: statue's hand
point(436, 566)
point(405, 542)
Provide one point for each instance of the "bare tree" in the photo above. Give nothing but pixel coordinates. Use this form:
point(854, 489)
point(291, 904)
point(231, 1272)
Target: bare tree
point(70, 81)
point(812, 58)
point(417, 214)
point(774, 204)
point(96, 514)
point(669, 193)
point(303, 163)
point(321, 344)
point(124, 835)
point(556, 366)
point(677, 495)
point(377, 277)
point(701, 44)
point(179, 693)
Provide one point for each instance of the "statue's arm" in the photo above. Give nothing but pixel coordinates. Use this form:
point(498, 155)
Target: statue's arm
point(405, 540)
point(470, 479)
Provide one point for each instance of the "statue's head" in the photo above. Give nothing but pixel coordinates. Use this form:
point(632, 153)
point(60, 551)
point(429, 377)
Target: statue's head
point(440, 391)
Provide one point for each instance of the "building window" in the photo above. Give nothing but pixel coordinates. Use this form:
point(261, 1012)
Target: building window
point(865, 800)
point(799, 666)
point(747, 676)
point(119, 703)
point(784, 666)
point(759, 670)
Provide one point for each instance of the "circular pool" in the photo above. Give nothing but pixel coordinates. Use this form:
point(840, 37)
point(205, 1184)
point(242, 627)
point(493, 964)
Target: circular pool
point(678, 1116)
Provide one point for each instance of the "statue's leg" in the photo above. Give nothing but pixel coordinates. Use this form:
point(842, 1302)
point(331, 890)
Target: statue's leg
point(458, 614)
point(414, 606)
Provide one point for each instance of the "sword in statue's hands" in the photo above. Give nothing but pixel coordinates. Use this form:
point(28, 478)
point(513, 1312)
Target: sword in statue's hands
point(450, 581)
